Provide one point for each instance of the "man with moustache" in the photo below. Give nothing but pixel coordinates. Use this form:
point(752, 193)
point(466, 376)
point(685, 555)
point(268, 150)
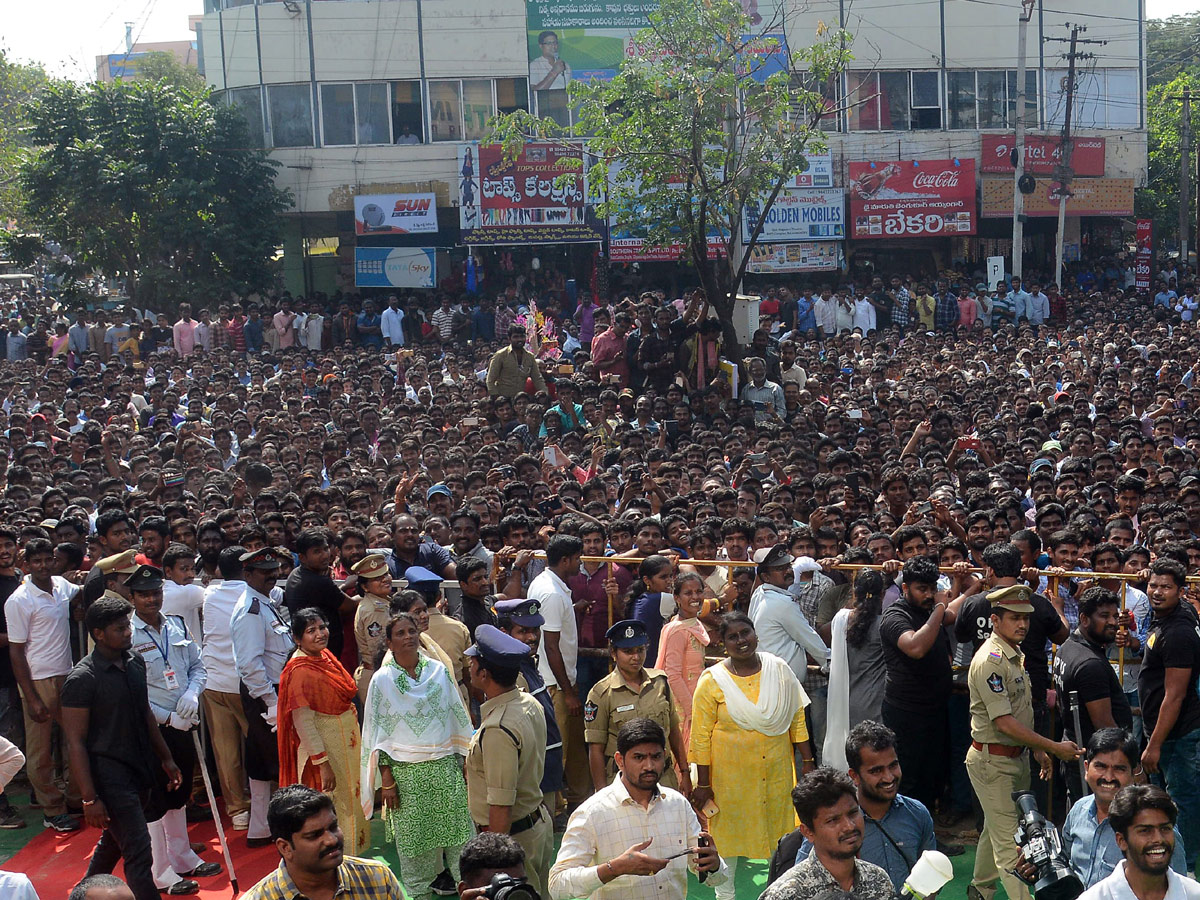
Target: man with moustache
point(897, 829)
point(831, 820)
point(1088, 836)
point(1001, 732)
point(596, 859)
point(306, 834)
point(1081, 668)
point(1143, 820)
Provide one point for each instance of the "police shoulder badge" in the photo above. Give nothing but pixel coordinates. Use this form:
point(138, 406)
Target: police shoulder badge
point(589, 712)
point(996, 683)
point(374, 629)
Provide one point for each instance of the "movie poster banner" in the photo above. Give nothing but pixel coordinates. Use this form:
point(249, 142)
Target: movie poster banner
point(522, 202)
point(912, 198)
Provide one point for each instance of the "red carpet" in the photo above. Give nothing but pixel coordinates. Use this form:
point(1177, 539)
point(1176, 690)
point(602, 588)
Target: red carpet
point(55, 862)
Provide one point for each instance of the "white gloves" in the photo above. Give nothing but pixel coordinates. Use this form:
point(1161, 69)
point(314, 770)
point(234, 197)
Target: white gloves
point(189, 706)
point(179, 722)
point(269, 715)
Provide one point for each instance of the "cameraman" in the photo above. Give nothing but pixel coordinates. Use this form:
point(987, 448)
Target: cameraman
point(1088, 837)
point(1143, 819)
point(485, 856)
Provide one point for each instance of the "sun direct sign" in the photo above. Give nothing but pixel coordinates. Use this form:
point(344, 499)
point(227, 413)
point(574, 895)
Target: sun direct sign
point(395, 214)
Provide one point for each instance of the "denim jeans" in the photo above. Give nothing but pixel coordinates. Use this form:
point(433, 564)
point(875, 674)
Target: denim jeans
point(1180, 763)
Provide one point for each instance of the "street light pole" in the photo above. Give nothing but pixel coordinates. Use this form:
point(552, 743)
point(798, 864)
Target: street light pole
point(1018, 238)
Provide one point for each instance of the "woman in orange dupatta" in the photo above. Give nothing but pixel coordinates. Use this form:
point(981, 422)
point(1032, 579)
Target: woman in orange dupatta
point(319, 738)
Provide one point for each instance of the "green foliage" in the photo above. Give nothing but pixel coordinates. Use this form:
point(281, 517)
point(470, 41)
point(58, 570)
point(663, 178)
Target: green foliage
point(19, 85)
point(152, 183)
point(1172, 47)
point(1159, 199)
point(161, 66)
point(698, 129)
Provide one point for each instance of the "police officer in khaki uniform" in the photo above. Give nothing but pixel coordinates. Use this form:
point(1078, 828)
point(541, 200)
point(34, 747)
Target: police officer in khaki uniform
point(1001, 732)
point(371, 617)
point(630, 691)
point(508, 753)
point(116, 569)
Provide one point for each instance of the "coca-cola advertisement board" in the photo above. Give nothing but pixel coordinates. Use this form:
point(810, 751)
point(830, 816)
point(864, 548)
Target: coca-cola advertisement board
point(912, 198)
point(1043, 154)
point(1144, 259)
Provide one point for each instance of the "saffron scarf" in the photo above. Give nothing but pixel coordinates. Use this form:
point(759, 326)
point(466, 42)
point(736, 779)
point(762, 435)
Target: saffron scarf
point(323, 685)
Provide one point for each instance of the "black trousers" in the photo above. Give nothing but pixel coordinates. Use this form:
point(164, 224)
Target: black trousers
point(125, 796)
point(922, 746)
point(262, 747)
point(183, 750)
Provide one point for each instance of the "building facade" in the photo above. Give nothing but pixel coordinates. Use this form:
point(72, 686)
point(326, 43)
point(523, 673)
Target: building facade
point(375, 97)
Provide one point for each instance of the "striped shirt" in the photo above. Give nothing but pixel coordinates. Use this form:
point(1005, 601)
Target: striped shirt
point(358, 879)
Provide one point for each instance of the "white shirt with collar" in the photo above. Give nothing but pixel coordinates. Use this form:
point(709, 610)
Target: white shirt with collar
point(559, 612)
point(220, 598)
point(606, 825)
point(41, 620)
point(1116, 887)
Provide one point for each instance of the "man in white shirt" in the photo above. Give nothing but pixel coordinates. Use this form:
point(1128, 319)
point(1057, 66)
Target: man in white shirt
point(780, 623)
point(631, 839)
point(181, 596)
point(392, 323)
point(864, 315)
point(222, 698)
point(825, 310)
point(549, 72)
point(558, 655)
point(1186, 306)
point(1143, 821)
point(38, 614)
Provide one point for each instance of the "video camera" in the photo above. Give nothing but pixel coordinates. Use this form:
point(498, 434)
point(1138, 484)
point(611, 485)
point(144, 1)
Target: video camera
point(1042, 848)
point(506, 887)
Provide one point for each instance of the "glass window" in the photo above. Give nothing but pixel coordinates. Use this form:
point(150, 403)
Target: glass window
point(371, 112)
point(290, 108)
point(1030, 98)
point(477, 108)
point(406, 113)
point(960, 98)
point(991, 92)
point(248, 101)
point(894, 107)
point(1122, 98)
point(862, 100)
point(926, 100)
point(445, 111)
point(512, 94)
point(1089, 110)
point(337, 114)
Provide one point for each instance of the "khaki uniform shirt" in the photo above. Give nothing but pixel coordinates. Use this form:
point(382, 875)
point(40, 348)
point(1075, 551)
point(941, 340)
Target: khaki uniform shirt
point(507, 756)
point(452, 636)
point(999, 687)
point(370, 634)
point(612, 703)
point(507, 373)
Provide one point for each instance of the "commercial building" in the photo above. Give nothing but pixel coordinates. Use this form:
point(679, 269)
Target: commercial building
point(380, 97)
point(127, 66)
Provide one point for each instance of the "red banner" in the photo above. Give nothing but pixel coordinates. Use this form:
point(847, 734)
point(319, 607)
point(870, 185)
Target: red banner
point(1144, 260)
point(1042, 154)
point(912, 198)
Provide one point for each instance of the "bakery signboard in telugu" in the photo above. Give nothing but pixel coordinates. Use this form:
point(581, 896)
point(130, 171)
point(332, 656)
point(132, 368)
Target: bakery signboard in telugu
point(912, 198)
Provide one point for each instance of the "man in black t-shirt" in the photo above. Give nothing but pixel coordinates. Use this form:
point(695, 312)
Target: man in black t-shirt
point(916, 654)
point(1082, 666)
point(973, 622)
point(1170, 706)
point(310, 584)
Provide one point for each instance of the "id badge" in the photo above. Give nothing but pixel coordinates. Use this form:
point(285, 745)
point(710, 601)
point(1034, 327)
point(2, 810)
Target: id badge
point(172, 681)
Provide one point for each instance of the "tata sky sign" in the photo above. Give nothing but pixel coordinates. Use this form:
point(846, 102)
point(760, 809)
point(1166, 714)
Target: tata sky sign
point(800, 214)
point(402, 267)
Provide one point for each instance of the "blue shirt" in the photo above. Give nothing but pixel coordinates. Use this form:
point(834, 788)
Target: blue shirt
point(163, 649)
point(369, 321)
point(909, 824)
point(252, 331)
point(1092, 848)
point(429, 556)
point(806, 319)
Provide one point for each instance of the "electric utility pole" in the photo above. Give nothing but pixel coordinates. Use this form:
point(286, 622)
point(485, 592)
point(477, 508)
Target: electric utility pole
point(1062, 171)
point(1018, 232)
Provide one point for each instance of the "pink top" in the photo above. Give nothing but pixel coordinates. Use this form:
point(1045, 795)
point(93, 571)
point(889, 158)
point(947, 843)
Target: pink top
point(681, 656)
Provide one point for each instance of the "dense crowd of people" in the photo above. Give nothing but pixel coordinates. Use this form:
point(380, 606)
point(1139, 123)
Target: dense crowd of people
point(528, 563)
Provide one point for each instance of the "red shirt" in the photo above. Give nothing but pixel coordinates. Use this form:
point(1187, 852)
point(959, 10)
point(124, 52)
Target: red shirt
point(594, 623)
point(607, 346)
point(237, 337)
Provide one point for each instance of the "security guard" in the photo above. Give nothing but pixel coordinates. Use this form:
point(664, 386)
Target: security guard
point(630, 691)
point(1001, 732)
point(371, 617)
point(508, 753)
point(262, 642)
point(175, 678)
point(523, 620)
